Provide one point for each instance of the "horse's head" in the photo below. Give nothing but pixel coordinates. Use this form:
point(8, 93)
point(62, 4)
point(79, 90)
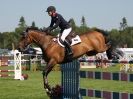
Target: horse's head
point(25, 41)
point(33, 35)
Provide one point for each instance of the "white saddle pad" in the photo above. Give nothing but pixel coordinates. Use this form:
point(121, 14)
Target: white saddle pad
point(75, 40)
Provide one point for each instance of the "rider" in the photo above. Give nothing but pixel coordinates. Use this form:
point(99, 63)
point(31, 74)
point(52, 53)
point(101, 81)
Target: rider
point(58, 20)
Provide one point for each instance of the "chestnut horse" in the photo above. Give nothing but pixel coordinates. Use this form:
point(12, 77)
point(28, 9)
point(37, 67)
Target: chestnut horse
point(93, 42)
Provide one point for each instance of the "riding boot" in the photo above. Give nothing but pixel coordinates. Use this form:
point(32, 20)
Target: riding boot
point(68, 48)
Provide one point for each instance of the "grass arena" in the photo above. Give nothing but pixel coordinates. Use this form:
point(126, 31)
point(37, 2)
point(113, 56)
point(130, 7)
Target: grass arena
point(32, 88)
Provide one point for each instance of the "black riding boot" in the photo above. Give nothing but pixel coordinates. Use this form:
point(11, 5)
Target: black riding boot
point(68, 48)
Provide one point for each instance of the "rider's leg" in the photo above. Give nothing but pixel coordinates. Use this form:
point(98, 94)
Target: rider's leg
point(68, 47)
point(65, 33)
point(67, 44)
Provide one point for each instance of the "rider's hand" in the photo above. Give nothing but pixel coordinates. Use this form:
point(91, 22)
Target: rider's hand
point(48, 29)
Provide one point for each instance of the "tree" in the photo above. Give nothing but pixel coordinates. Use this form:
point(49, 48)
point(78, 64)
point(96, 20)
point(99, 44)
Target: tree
point(33, 24)
point(21, 27)
point(83, 27)
point(123, 24)
point(127, 36)
point(1, 40)
point(114, 36)
point(72, 23)
point(8, 39)
point(18, 30)
point(83, 22)
point(22, 22)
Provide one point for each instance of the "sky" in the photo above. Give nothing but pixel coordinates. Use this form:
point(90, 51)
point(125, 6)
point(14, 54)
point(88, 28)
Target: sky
point(104, 14)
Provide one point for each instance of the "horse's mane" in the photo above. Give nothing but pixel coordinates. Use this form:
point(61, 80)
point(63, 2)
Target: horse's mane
point(34, 29)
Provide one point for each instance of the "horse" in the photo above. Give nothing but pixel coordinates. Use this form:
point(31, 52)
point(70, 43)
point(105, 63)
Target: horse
point(93, 42)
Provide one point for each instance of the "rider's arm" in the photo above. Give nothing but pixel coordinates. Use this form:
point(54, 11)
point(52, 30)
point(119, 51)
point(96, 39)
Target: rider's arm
point(49, 28)
point(57, 23)
point(52, 23)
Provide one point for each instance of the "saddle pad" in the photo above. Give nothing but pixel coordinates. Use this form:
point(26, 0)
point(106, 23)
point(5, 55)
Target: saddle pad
point(75, 40)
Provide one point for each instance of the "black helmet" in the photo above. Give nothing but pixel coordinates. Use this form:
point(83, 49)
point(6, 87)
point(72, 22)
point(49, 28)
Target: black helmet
point(51, 8)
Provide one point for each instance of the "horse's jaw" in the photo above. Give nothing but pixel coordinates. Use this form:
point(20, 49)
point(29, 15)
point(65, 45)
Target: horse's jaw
point(22, 49)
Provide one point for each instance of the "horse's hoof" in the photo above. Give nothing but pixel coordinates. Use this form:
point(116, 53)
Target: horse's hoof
point(49, 93)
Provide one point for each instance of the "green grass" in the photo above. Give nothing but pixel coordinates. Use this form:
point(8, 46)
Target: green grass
point(27, 89)
point(33, 87)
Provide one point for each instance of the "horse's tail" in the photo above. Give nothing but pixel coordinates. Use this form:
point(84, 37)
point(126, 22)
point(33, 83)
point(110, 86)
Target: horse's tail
point(114, 53)
point(109, 53)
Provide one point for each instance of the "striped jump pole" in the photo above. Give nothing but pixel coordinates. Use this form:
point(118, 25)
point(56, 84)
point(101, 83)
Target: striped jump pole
point(6, 75)
point(107, 61)
point(6, 70)
point(17, 68)
point(4, 66)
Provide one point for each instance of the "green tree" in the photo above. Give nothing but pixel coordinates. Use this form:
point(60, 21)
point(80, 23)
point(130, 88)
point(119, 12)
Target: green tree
point(114, 36)
point(123, 24)
point(7, 40)
point(33, 24)
point(22, 22)
point(72, 23)
point(83, 28)
point(21, 26)
point(1, 40)
point(18, 30)
point(83, 22)
point(127, 37)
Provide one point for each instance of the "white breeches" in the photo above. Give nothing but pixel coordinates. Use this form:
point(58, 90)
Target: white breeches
point(65, 33)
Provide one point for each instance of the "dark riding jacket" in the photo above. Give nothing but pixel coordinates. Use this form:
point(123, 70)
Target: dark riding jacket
point(58, 20)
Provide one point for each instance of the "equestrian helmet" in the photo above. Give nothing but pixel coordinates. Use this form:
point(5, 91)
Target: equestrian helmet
point(51, 8)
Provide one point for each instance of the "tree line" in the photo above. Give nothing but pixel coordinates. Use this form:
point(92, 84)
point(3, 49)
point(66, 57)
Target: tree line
point(122, 37)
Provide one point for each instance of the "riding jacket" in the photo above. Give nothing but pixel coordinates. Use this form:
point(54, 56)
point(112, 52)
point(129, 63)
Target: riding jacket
point(58, 20)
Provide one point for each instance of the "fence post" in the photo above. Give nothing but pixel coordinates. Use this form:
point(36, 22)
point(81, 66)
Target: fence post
point(17, 65)
point(70, 80)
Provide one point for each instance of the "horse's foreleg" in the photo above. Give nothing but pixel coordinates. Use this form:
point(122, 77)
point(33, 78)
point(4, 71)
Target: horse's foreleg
point(46, 71)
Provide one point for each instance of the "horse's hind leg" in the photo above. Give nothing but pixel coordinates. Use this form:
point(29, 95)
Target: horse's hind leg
point(107, 48)
point(103, 48)
point(91, 53)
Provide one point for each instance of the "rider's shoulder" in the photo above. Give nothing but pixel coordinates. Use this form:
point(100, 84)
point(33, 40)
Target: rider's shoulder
point(59, 15)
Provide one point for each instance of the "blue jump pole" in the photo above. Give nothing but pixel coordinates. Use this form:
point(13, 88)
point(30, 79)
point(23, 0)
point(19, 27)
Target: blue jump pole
point(70, 80)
